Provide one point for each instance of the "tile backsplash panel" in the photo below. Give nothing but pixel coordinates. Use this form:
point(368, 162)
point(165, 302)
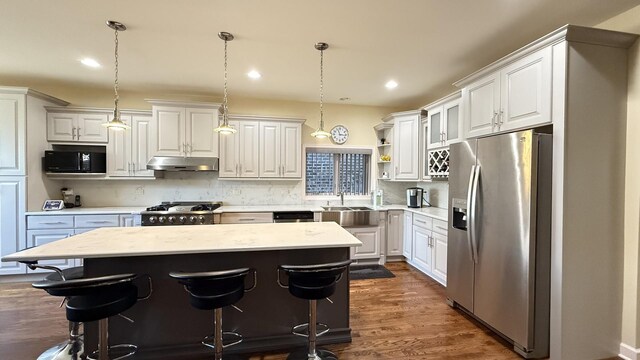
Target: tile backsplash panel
point(187, 186)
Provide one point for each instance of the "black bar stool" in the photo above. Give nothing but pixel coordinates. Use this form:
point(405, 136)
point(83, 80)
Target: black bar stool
point(212, 291)
point(313, 283)
point(98, 298)
point(73, 348)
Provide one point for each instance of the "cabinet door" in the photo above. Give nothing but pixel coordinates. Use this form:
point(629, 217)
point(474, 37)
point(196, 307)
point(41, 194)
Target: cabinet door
point(229, 152)
point(12, 222)
point(526, 92)
point(439, 248)
point(270, 149)
point(119, 151)
point(12, 142)
point(370, 238)
point(90, 128)
point(406, 134)
point(141, 144)
point(435, 127)
point(41, 237)
point(407, 236)
point(61, 127)
point(291, 155)
point(481, 101)
point(395, 224)
point(422, 257)
point(170, 139)
point(201, 140)
point(451, 112)
point(249, 148)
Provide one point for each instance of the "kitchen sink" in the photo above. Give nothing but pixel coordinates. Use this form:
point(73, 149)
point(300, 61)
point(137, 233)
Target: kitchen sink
point(346, 216)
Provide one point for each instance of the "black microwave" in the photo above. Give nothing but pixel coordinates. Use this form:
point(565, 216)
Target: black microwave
point(75, 162)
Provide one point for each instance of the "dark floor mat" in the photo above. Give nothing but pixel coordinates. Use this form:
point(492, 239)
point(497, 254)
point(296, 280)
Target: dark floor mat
point(360, 272)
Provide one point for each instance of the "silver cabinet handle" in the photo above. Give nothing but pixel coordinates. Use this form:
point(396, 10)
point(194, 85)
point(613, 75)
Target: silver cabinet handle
point(493, 120)
point(251, 219)
point(184, 149)
point(189, 149)
point(133, 168)
point(73, 133)
point(396, 171)
point(53, 223)
point(78, 133)
point(98, 221)
point(129, 168)
point(236, 169)
point(501, 119)
point(240, 166)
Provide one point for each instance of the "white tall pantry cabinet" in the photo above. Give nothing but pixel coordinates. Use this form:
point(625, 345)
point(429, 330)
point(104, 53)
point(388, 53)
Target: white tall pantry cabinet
point(23, 122)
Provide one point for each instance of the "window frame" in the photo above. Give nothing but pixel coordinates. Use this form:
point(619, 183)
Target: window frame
point(337, 148)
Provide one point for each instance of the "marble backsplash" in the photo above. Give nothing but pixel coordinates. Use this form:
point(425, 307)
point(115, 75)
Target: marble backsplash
point(204, 186)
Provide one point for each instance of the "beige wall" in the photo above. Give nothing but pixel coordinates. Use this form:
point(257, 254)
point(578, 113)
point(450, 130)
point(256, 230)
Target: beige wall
point(629, 21)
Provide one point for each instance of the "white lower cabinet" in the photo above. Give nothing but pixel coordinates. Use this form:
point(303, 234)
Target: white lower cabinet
point(370, 238)
point(41, 237)
point(43, 229)
point(395, 226)
point(425, 245)
point(12, 225)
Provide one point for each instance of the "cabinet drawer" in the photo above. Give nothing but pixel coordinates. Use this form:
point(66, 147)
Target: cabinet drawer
point(246, 218)
point(49, 222)
point(423, 221)
point(440, 226)
point(94, 221)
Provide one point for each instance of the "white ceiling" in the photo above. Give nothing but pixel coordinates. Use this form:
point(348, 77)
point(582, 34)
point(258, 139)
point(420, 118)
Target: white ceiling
point(424, 45)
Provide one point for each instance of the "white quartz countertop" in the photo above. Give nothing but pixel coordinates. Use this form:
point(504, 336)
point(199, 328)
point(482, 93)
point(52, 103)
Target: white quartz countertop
point(91, 211)
point(266, 208)
point(434, 212)
point(173, 240)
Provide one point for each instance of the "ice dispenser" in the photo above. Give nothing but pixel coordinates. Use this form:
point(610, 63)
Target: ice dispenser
point(459, 208)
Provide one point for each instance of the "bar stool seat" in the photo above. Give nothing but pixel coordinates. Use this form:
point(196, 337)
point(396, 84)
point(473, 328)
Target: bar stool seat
point(312, 283)
point(97, 298)
point(214, 290)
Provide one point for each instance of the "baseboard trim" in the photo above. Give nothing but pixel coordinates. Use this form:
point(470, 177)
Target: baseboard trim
point(629, 353)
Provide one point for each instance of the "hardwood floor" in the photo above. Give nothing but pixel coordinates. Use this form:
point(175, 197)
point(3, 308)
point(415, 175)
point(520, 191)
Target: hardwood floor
point(405, 317)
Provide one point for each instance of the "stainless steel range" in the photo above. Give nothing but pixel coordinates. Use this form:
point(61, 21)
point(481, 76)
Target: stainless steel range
point(180, 213)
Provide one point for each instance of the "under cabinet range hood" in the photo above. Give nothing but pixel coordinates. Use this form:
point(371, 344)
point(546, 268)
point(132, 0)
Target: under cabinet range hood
point(179, 163)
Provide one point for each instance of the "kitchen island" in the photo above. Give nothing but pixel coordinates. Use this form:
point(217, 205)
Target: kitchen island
point(166, 326)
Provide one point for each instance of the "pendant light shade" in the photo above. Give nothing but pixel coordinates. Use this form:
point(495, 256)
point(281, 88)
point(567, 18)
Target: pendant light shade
point(320, 133)
point(116, 123)
point(225, 128)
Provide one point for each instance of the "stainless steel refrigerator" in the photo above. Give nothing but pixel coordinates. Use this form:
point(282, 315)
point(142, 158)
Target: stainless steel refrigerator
point(498, 257)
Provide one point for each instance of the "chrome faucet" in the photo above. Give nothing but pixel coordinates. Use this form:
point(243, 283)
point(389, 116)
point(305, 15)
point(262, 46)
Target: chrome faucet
point(341, 195)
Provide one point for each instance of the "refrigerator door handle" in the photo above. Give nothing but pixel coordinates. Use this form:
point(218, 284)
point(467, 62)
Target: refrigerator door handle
point(472, 211)
point(469, 212)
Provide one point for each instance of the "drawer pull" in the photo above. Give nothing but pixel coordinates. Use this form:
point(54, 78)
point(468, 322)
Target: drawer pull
point(53, 223)
point(440, 227)
point(420, 221)
point(99, 222)
point(252, 219)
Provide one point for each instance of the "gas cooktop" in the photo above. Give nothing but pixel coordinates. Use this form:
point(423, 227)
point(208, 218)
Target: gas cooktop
point(180, 213)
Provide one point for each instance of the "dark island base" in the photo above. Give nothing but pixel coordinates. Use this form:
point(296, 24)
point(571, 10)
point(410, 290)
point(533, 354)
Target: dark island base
point(167, 327)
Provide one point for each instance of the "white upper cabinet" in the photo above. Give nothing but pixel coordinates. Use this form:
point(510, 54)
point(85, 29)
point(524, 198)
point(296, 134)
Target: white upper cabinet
point(12, 141)
point(263, 147)
point(517, 96)
point(280, 149)
point(406, 133)
point(185, 129)
point(129, 151)
point(81, 125)
point(443, 122)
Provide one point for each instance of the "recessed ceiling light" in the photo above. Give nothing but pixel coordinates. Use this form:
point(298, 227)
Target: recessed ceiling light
point(391, 84)
point(254, 74)
point(90, 63)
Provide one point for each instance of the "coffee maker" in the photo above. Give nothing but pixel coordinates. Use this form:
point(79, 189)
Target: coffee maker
point(415, 196)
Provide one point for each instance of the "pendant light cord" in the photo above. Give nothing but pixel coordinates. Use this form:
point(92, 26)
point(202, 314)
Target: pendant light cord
point(116, 112)
point(225, 118)
point(321, 88)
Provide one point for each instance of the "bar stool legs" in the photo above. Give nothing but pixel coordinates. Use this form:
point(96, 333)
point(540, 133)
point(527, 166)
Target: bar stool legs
point(311, 334)
point(107, 352)
point(232, 338)
point(72, 349)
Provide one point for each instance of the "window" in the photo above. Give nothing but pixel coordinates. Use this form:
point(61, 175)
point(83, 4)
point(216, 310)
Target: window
point(332, 171)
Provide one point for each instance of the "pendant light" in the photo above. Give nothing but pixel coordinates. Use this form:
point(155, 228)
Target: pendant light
point(116, 123)
point(320, 133)
point(225, 128)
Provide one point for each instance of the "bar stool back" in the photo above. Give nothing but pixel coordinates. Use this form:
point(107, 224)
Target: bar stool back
point(214, 290)
point(312, 283)
point(97, 298)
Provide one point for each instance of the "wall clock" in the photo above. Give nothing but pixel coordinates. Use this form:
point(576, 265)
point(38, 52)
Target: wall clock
point(339, 134)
